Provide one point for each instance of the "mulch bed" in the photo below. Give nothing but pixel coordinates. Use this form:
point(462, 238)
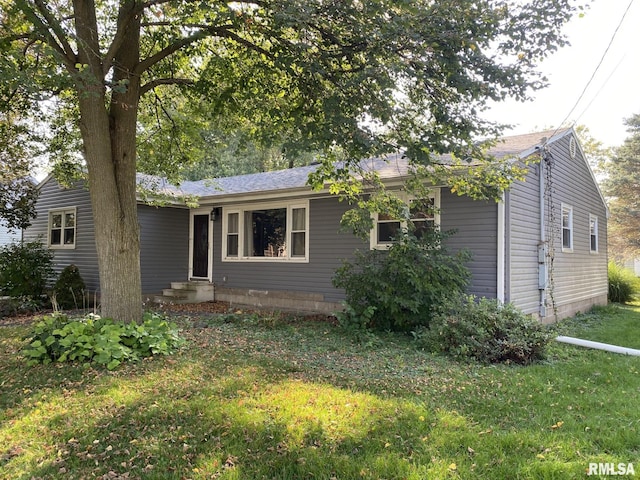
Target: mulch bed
point(19, 320)
point(196, 309)
point(205, 308)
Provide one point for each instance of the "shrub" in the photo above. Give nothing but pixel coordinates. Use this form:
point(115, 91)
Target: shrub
point(487, 331)
point(69, 290)
point(103, 341)
point(25, 270)
point(397, 289)
point(623, 284)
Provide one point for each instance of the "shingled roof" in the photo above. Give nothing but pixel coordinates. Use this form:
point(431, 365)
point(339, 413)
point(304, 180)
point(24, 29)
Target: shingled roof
point(392, 166)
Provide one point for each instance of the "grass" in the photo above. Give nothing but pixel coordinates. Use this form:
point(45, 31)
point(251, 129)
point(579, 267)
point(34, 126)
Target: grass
point(259, 398)
point(615, 324)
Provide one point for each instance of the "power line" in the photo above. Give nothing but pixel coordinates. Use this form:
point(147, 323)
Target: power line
point(597, 67)
point(604, 84)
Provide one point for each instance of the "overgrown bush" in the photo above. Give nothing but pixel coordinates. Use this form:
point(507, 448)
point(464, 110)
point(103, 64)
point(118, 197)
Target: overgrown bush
point(485, 330)
point(103, 341)
point(69, 290)
point(397, 289)
point(623, 284)
point(25, 270)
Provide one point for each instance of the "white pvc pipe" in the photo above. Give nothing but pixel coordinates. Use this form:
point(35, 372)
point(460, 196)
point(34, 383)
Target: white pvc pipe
point(600, 346)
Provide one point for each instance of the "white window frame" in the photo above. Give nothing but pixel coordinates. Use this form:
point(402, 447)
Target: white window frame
point(593, 233)
point(63, 212)
point(569, 228)
point(373, 235)
point(241, 209)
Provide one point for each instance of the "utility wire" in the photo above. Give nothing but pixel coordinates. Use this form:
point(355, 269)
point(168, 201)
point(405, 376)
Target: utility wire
point(597, 67)
point(604, 84)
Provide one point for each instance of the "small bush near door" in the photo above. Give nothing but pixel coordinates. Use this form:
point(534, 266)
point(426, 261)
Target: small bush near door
point(485, 330)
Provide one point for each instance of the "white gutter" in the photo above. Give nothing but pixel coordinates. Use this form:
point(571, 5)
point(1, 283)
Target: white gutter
point(599, 346)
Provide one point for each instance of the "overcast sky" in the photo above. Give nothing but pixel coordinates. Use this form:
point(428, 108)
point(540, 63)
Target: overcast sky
point(612, 95)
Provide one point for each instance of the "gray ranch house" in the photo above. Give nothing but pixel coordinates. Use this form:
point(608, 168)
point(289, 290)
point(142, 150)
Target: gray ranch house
point(267, 239)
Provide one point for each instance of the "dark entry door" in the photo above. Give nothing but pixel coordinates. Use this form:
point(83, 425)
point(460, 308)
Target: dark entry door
point(201, 246)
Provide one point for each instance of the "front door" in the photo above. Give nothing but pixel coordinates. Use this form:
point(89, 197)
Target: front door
point(200, 246)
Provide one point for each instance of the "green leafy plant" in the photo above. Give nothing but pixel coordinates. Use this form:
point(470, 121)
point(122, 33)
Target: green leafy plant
point(103, 341)
point(25, 270)
point(623, 284)
point(397, 289)
point(70, 289)
point(485, 330)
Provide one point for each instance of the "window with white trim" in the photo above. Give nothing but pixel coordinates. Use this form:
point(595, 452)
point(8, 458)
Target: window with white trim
point(423, 214)
point(273, 232)
point(567, 228)
point(593, 233)
point(62, 228)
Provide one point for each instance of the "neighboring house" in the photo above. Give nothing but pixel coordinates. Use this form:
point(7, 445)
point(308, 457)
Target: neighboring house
point(9, 235)
point(634, 266)
point(267, 239)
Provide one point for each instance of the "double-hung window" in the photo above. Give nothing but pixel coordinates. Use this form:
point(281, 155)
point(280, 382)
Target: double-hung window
point(593, 233)
point(62, 228)
point(423, 215)
point(567, 228)
point(275, 232)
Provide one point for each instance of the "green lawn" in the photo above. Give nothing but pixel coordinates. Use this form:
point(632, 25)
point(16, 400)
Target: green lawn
point(259, 398)
point(615, 324)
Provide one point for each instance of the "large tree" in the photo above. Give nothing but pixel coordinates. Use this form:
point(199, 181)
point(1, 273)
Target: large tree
point(366, 76)
point(621, 187)
point(18, 193)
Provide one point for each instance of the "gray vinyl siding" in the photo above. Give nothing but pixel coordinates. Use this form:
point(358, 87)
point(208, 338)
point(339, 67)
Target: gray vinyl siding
point(164, 247)
point(475, 224)
point(8, 236)
point(579, 275)
point(54, 197)
point(523, 237)
point(164, 238)
point(327, 248)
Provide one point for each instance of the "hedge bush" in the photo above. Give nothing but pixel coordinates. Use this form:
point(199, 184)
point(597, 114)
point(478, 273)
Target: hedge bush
point(623, 284)
point(485, 330)
point(396, 289)
point(103, 341)
point(26, 268)
point(70, 290)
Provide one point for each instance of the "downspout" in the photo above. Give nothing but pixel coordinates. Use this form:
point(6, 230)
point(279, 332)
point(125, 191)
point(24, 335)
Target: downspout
point(598, 345)
point(542, 246)
point(500, 263)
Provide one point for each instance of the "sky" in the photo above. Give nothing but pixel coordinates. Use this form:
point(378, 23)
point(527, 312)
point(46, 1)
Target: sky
point(612, 95)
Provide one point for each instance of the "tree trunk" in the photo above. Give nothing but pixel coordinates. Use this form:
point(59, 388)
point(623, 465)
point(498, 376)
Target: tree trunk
point(109, 138)
point(112, 188)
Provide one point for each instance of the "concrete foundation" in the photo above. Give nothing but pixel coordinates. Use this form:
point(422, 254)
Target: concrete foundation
point(573, 308)
point(277, 300)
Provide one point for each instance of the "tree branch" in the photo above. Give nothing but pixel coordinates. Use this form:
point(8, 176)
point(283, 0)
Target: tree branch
point(222, 31)
point(68, 56)
point(164, 81)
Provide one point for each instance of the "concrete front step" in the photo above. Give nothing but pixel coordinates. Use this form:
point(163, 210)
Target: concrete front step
point(186, 292)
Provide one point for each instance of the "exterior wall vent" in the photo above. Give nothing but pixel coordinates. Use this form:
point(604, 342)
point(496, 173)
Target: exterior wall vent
point(572, 148)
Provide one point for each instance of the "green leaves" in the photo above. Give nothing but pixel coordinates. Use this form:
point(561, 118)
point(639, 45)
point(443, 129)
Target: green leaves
point(399, 288)
point(25, 270)
point(621, 188)
point(485, 330)
point(100, 341)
